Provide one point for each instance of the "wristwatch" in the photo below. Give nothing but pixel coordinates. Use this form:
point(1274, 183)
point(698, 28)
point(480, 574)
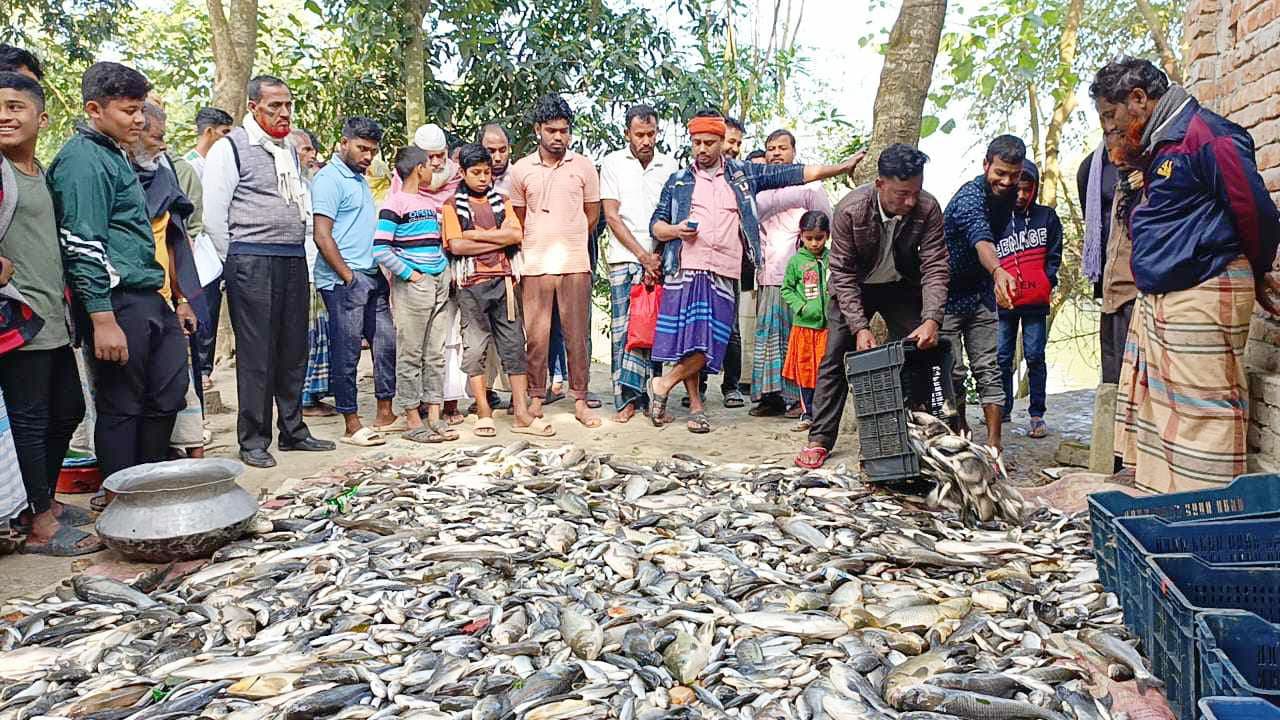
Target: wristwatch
point(181, 301)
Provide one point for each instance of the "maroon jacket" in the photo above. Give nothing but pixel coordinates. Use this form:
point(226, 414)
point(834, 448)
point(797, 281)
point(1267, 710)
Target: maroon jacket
point(919, 253)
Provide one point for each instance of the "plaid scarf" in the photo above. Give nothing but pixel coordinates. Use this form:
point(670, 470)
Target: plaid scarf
point(462, 203)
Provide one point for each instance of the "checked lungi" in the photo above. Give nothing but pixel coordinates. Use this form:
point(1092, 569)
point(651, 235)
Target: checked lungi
point(773, 330)
point(1182, 405)
point(696, 315)
point(631, 369)
point(316, 386)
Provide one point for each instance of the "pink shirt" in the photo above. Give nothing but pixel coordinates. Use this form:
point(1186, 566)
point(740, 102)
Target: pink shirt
point(780, 231)
point(555, 223)
point(718, 247)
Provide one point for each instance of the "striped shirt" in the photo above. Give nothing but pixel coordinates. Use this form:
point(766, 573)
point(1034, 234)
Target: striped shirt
point(408, 236)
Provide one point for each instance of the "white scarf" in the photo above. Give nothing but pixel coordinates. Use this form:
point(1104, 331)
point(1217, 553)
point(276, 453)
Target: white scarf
point(288, 176)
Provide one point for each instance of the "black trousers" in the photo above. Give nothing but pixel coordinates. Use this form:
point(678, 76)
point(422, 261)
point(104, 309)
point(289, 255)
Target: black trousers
point(42, 392)
point(1115, 328)
point(900, 305)
point(731, 371)
point(270, 304)
point(138, 401)
point(206, 338)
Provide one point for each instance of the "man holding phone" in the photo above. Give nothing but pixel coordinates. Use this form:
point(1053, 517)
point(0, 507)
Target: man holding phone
point(707, 221)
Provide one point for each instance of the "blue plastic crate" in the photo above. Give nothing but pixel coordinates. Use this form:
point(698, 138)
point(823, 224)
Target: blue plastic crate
point(1248, 496)
point(1238, 655)
point(1178, 588)
point(1214, 541)
point(1237, 708)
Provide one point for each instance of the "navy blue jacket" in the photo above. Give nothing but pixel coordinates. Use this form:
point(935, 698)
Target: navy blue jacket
point(1204, 204)
point(746, 179)
point(972, 216)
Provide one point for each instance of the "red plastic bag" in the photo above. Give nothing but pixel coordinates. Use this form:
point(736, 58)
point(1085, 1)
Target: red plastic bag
point(643, 322)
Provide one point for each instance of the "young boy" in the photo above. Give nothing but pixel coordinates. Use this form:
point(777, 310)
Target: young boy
point(40, 383)
point(1030, 251)
point(140, 353)
point(408, 244)
point(483, 234)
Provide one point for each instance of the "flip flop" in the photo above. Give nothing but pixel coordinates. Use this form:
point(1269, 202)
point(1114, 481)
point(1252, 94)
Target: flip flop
point(395, 426)
point(552, 397)
point(795, 412)
point(803, 425)
point(423, 435)
point(657, 404)
point(734, 399)
point(485, 428)
point(538, 428)
point(591, 424)
point(1038, 428)
point(364, 437)
point(441, 428)
point(65, 543)
point(699, 424)
point(766, 409)
point(455, 419)
point(812, 457)
point(593, 402)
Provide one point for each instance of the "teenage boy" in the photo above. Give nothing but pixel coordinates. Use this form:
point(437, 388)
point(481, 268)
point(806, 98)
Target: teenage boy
point(140, 353)
point(354, 290)
point(1030, 251)
point(40, 383)
point(409, 246)
point(483, 233)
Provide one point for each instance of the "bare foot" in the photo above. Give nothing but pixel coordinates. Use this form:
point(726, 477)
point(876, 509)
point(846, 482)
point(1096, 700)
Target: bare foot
point(535, 407)
point(627, 412)
point(585, 415)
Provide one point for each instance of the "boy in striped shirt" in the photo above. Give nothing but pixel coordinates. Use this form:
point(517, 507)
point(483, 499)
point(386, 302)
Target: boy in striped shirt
point(408, 245)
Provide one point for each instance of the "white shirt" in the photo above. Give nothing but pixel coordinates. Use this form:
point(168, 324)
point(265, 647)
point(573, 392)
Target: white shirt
point(637, 190)
point(220, 176)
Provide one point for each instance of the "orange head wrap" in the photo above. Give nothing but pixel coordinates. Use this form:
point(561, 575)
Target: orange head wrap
point(713, 125)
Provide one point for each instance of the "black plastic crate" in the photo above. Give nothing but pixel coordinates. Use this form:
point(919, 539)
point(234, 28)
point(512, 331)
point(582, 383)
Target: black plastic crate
point(1238, 654)
point(887, 383)
point(1248, 496)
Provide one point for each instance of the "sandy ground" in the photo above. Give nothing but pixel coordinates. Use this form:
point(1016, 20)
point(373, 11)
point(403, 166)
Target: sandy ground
point(736, 437)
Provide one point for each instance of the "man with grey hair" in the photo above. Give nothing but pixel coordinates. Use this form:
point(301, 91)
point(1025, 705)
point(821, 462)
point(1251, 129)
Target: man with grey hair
point(316, 385)
point(256, 206)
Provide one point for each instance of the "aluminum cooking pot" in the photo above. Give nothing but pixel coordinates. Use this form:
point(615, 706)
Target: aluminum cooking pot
point(176, 510)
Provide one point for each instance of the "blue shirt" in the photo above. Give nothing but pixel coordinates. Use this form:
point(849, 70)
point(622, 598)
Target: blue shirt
point(338, 193)
point(971, 217)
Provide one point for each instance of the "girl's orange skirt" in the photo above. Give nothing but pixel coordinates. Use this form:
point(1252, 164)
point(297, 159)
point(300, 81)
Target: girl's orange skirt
point(805, 349)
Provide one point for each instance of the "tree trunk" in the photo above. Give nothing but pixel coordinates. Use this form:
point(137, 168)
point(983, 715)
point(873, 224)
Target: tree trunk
point(904, 79)
point(1168, 57)
point(1062, 107)
point(1033, 104)
point(415, 76)
point(234, 36)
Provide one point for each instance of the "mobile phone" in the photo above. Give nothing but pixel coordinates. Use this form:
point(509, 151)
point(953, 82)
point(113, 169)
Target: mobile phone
point(693, 224)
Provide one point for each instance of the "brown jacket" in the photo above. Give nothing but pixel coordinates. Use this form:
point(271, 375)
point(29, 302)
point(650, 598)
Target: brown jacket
point(1118, 286)
point(919, 253)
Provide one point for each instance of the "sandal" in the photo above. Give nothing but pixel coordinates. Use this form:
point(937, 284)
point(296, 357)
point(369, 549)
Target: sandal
point(538, 428)
point(812, 457)
point(591, 421)
point(803, 425)
point(455, 419)
point(552, 397)
point(657, 404)
point(441, 428)
point(395, 426)
point(734, 399)
point(795, 412)
point(100, 501)
point(593, 402)
point(65, 543)
point(423, 435)
point(485, 428)
point(364, 437)
point(1038, 428)
point(699, 424)
point(766, 409)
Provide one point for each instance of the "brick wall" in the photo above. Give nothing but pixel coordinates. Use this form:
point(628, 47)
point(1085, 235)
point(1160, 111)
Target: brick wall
point(1233, 67)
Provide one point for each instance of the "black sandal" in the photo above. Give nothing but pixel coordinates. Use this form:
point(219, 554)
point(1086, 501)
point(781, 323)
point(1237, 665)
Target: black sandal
point(74, 516)
point(699, 424)
point(657, 404)
point(65, 543)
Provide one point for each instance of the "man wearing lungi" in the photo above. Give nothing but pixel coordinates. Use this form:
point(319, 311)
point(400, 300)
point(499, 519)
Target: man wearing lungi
point(1204, 234)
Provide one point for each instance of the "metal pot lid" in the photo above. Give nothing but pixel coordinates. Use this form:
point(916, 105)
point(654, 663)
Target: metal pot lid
point(174, 475)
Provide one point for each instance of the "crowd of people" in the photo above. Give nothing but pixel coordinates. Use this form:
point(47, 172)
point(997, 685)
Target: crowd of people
point(469, 271)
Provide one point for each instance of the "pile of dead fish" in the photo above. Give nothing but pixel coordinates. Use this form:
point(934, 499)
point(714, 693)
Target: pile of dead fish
point(521, 583)
point(969, 478)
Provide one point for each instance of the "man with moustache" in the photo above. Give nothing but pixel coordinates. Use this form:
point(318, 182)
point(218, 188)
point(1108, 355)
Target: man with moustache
point(316, 385)
point(1204, 231)
point(631, 181)
point(256, 206)
point(977, 214)
point(493, 137)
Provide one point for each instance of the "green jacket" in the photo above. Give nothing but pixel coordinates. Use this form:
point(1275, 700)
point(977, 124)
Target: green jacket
point(806, 312)
point(102, 214)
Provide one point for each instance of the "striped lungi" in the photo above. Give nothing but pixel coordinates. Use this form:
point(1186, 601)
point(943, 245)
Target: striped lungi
point(773, 328)
point(1182, 405)
point(631, 370)
point(316, 386)
point(696, 316)
point(13, 494)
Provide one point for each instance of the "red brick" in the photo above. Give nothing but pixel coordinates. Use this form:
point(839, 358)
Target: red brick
point(1259, 16)
point(1201, 47)
point(1271, 177)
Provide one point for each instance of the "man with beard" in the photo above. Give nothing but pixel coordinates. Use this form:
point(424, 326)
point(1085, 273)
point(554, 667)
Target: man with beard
point(1204, 232)
point(493, 137)
point(631, 181)
point(779, 239)
point(733, 135)
point(316, 385)
point(140, 354)
point(707, 219)
point(977, 214)
point(889, 257)
point(556, 195)
point(355, 291)
point(256, 206)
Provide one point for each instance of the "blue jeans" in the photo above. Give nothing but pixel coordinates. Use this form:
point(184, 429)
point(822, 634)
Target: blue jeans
point(1035, 336)
point(360, 310)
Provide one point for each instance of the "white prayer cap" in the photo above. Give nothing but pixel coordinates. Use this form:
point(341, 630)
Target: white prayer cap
point(430, 137)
